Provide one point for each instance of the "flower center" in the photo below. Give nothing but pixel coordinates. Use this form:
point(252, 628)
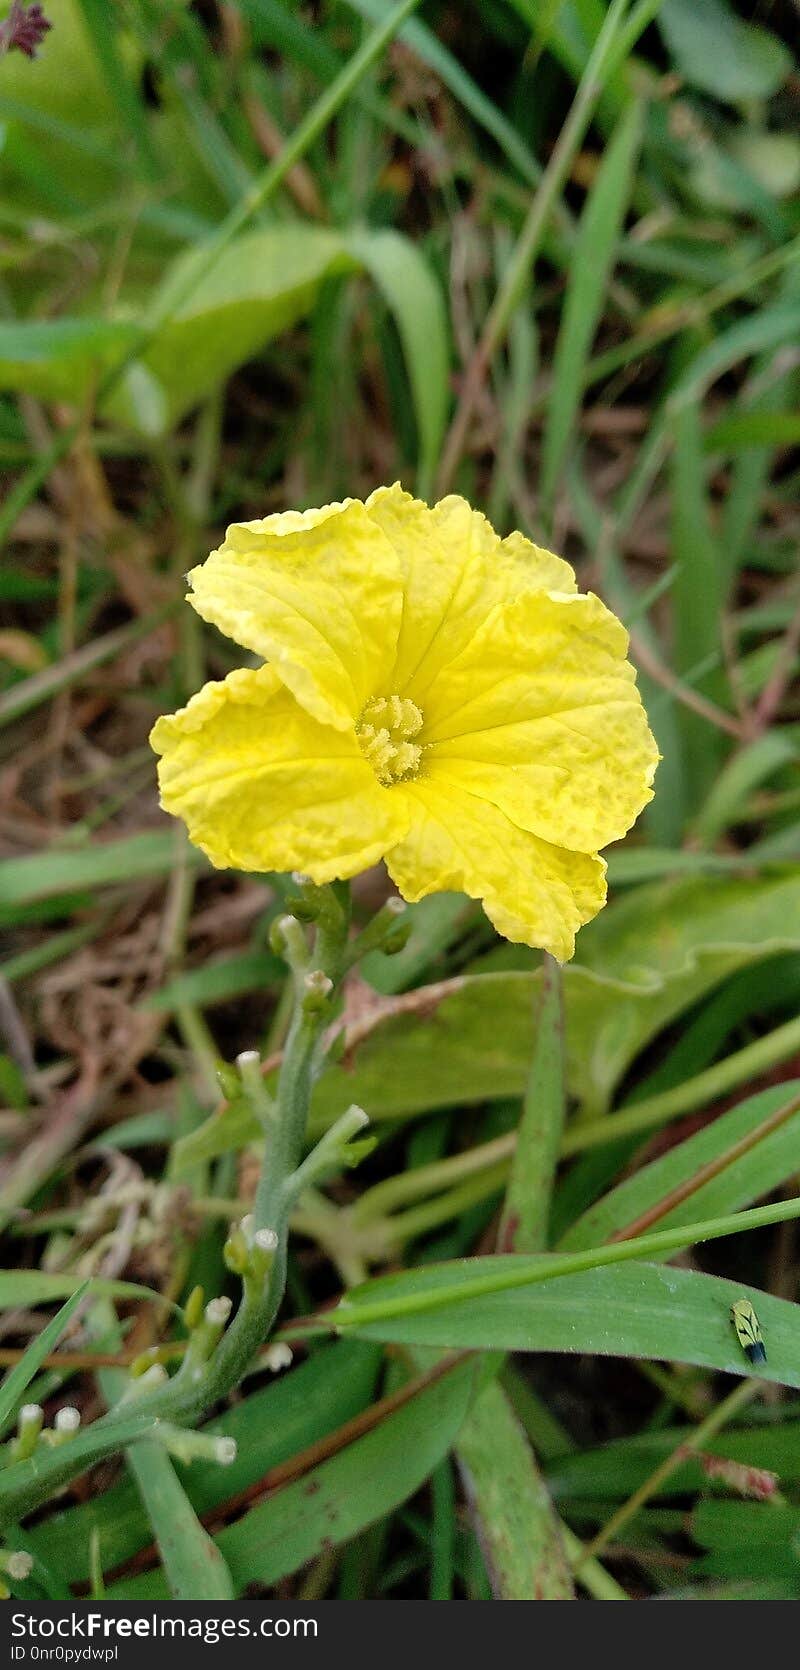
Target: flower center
point(384, 734)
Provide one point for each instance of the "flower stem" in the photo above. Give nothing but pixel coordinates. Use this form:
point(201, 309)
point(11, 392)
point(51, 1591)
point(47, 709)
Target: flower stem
point(186, 1398)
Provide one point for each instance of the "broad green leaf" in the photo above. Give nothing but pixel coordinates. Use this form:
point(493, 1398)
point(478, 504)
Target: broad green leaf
point(590, 265)
point(625, 1310)
point(745, 1525)
point(20, 1377)
point(714, 49)
point(749, 1177)
point(269, 1425)
point(519, 1534)
point(340, 1497)
point(679, 938)
point(68, 80)
point(643, 961)
point(58, 359)
point(262, 283)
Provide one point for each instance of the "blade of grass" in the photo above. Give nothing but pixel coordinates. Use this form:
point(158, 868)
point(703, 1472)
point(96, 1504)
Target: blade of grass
point(591, 262)
point(20, 1377)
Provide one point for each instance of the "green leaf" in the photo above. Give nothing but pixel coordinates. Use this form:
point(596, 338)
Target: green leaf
point(615, 1470)
point(218, 982)
point(58, 359)
point(629, 1310)
point(334, 1501)
point(590, 265)
point(39, 1287)
point(194, 1567)
point(749, 1177)
point(20, 1377)
point(770, 328)
point(98, 864)
point(103, 29)
point(415, 298)
point(519, 1534)
point(526, 1211)
point(697, 594)
point(262, 283)
point(643, 961)
point(752, 765)
point(743, 431)
point(269, 1425)
point(715, 50)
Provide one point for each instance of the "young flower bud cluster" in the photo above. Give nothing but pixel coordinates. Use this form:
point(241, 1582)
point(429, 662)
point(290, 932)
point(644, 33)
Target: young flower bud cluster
point(206, 1324)
point(250, 1252)
point(31, 1430)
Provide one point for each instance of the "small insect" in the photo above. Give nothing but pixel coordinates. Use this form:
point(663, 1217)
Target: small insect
point(748, 1331)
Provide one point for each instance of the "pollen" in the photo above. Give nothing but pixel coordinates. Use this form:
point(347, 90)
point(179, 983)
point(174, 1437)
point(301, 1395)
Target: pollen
point(385, 735)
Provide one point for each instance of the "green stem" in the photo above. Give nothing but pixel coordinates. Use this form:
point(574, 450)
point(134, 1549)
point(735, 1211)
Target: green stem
point(185, 1399)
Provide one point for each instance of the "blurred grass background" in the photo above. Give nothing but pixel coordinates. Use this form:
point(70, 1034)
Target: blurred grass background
point(546, 252)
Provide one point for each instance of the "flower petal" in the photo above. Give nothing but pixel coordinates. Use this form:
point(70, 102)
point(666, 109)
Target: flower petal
point(318, 594)
point(263, 786)
point(540, 714)
point(533, 892)
point(454, 570)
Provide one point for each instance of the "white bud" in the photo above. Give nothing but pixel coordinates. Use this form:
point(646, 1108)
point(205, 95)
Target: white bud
point(153, 1376)
point(248, 1058)
point(266, 1240)
point(225, 1451)
point(19, 1565)
point(278, 1356)
point(68, 1419)
point(218, 1310)
point(395, 905)
point(31, 1414)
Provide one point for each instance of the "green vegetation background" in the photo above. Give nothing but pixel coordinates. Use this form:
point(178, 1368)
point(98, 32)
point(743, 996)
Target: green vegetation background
point(547, 252)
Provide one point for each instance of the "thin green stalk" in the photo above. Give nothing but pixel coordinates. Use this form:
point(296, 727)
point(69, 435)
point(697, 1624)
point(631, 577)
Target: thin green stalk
point(595, 1579)
point(715, 1081)
point(719, 1417)
point(355, 1313)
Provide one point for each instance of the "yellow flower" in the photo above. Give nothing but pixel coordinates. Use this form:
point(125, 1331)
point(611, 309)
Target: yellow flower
point(431, 695)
